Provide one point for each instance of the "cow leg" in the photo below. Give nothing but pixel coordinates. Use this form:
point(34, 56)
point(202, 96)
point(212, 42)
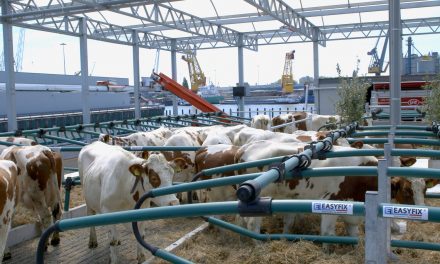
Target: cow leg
point(141, 257)
point(328, 227)
point(56, 215)
point(43, 212)
point(114, 245)
point(351, 225)
point(93, 241)
point(288, 221)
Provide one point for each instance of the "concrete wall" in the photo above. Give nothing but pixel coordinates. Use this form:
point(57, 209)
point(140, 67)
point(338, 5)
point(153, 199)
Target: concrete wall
point(42, 78)
point(55, 102)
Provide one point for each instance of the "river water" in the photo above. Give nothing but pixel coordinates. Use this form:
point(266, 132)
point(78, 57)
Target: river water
point(250, 110)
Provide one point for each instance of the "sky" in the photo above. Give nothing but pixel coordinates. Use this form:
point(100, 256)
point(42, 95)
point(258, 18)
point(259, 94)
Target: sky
point(44, 54)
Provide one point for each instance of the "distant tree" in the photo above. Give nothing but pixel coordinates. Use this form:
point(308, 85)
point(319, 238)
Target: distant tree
point(185, 83)
point(305, 79)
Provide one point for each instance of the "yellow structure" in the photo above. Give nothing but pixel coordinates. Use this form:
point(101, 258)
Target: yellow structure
point(196, 76)
point(287, 77)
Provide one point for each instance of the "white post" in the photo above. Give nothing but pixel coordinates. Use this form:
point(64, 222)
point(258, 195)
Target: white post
point(316, 91)
point(240, 73)
point(84, 71)
point(136, 79)
point(374, 254)
point(174, 72)
point(8, 51)
point(395, 60)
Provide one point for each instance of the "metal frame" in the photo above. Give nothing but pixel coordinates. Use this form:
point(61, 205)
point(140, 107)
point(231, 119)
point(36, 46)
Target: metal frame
point(154, 17)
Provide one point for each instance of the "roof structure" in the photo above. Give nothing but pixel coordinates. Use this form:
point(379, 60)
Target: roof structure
point(206, 24)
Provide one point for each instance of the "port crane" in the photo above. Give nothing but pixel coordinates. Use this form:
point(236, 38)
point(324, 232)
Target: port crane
point(196, 75)
point(376, 63)
point(287, 77)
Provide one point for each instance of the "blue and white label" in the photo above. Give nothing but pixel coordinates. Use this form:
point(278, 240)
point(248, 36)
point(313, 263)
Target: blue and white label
point(405, 212)
point(332, 208)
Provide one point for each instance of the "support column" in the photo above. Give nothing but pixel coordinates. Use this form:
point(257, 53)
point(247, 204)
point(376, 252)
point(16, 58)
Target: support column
point(240, 73)
point(316, 91)
point(395, 60)
point(136, 78)
point(84, 71)
point(8, 51)
point(174, 72)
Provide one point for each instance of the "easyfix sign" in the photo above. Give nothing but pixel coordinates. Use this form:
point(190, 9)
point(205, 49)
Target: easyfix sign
point(406, 101)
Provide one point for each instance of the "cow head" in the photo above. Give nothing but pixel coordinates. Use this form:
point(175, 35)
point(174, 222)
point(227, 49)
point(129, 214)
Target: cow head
point(159, 173)
point(408, 191)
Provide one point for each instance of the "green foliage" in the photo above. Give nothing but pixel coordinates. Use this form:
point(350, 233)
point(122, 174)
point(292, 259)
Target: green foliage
point(432, 102)
point(185, 83)
point(352, 93)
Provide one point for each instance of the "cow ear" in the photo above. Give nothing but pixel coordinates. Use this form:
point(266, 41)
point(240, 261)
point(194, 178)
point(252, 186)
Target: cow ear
point(145, 154)
point(11, 156)
point(407, 161)
point(431, 183)
point(105, 138)
point(357, 144)
point(178, 164)
point(395, 185)
point(136, 169)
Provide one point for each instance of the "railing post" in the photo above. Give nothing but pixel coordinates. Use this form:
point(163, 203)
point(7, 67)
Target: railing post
point(374, 252)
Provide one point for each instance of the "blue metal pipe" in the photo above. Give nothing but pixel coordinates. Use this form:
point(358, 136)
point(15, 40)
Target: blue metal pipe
point(290, 237)
point(419, 141)
point(415, 245)
point(414, 172)
point(433, 212)
point(388, 127)
point(398, 133)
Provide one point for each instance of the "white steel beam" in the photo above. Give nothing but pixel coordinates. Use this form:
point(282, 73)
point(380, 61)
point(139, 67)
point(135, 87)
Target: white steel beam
point(175, 19)
point(103, 31)
point(289, 17)
point(30, 10)
point(305, 12)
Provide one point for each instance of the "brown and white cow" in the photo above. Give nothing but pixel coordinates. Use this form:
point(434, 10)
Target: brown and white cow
point(261, 122)
point(249, 135)
point(113, 179)
point(334, 188)
point(8, 198)
point(155, 137)
point(17, 140)
point(39, 172)
point(312, 122)
point(213, 156)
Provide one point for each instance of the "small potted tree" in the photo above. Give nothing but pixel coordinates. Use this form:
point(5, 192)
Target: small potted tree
point(352, 95)
point(432, 110)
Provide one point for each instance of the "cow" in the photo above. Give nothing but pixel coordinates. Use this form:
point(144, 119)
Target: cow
point(329, 188)
point(39, 172)
point(213, 156)
point(17, 140)
point(261, 122)
point(155, 137)
point(113, 179)
point(312, 122)
point(249, 135)
point(8, 198)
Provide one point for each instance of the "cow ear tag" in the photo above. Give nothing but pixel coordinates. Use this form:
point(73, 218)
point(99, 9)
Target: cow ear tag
point(136, 170)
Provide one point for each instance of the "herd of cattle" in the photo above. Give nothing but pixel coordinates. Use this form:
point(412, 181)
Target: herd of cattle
point(113, 179)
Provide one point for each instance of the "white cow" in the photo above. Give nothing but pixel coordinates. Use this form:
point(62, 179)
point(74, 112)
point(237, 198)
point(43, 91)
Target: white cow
point(113, 179)
point(263, 122)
